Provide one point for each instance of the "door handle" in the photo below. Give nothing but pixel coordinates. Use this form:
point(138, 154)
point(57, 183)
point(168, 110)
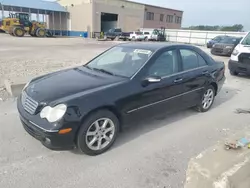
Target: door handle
point(178, 80)
point(205, 72)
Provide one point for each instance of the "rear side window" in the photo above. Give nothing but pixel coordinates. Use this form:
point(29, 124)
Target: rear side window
point(146, 33)
point(201, 61)
point(191, 60)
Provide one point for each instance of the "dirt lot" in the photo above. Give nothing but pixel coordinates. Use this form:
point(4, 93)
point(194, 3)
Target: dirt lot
point(151, 154)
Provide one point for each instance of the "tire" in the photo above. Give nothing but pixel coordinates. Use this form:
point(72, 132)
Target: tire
point(88, 126)
point(18, 32)
point(234, 73)
point(200, 107)
point(146, 38)
point(40, 32)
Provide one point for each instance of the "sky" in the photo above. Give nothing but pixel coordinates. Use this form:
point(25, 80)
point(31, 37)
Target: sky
point(209, 12)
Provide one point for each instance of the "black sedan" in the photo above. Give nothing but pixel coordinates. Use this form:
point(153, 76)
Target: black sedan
point(225, 46)
point(86, 106)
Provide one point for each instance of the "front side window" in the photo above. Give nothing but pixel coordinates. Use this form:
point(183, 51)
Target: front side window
point(165, 65)
point(189, 59)
point(120, 61)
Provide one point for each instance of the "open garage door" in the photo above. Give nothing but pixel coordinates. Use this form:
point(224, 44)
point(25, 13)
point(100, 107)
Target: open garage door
point(131, 23)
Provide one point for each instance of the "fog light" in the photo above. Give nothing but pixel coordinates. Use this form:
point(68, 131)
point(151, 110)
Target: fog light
point(47, 141)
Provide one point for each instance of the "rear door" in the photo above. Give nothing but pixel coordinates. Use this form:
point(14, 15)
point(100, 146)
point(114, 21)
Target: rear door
point(195, 74)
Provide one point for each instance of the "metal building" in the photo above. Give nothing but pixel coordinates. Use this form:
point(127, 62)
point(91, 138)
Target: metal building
point(55, 15)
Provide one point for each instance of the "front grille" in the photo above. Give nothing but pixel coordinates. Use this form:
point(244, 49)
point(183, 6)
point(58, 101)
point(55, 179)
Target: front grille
point(29, 104)
point(244, 58)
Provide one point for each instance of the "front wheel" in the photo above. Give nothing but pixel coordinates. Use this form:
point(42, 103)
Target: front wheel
point(98, 133)
point(207, 99)
point(234, 73)
point(40, 32)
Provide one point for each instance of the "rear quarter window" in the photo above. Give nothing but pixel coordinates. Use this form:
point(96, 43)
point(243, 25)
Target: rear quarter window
point(201, 61)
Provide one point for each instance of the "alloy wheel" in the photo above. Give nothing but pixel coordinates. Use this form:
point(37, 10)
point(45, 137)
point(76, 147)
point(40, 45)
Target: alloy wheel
point(100, 134)
point(208, 99)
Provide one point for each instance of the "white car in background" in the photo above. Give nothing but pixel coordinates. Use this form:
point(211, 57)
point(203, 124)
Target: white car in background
point(147, 35)
point(136, 35)
point(240, 58)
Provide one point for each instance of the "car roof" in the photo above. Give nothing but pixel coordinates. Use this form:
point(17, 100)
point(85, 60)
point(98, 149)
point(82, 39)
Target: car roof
point(153, 46)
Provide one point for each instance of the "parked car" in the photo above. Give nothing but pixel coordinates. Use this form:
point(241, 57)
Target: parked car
point(240, 58)
point(217, 39)
point(225, 46)
point(116, 33)
point(136, 35)
point(147, 35)
point(86, 106)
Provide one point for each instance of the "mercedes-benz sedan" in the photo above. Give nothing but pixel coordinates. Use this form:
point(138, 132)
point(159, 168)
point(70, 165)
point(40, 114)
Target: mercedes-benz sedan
point(86, 106)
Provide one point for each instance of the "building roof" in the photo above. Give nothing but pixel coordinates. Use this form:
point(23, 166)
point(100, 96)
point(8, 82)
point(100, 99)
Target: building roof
point(35, 4)
point(153, 5)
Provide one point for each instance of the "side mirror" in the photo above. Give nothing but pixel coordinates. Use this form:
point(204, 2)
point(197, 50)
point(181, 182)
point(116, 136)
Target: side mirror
point(151, 80)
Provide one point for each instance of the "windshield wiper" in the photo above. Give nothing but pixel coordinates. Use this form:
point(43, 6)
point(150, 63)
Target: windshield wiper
point(104, 71)
point(88, 67)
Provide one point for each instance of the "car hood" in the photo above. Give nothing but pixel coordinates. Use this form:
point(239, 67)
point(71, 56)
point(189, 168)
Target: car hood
point(222, 45)
point(64, 83)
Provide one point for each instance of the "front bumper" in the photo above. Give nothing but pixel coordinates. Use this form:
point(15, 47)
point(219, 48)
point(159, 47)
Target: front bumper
point(239, 67)
point(222, 51)
point(49, 138)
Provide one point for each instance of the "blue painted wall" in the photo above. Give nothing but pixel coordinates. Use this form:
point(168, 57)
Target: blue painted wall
point(83, 34)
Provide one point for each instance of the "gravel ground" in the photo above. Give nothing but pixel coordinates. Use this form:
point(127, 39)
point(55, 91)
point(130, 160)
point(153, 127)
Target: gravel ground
point(29, 57)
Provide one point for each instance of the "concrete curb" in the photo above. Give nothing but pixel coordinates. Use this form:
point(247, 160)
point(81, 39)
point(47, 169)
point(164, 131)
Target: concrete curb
point(14, 89)
point(220, 168)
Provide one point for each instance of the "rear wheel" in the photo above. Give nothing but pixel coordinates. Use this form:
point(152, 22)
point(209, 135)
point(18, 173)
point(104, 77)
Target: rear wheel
point(207, 99)
point(40, 32)
point(98, 133)
point(18, 31)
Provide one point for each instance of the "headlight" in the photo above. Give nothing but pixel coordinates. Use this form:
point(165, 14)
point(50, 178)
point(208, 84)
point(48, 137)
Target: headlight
point(235, 52)
point(213, 45)
point(53, 114)
point(228, 47)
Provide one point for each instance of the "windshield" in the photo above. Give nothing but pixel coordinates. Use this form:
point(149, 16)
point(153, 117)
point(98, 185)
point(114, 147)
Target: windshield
point(246, 40)
point(23, 16)
point(229, 40)
point(120, 61)
point(138, 33)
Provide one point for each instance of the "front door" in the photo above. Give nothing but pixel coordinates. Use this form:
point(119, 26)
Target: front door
point(164, 89)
